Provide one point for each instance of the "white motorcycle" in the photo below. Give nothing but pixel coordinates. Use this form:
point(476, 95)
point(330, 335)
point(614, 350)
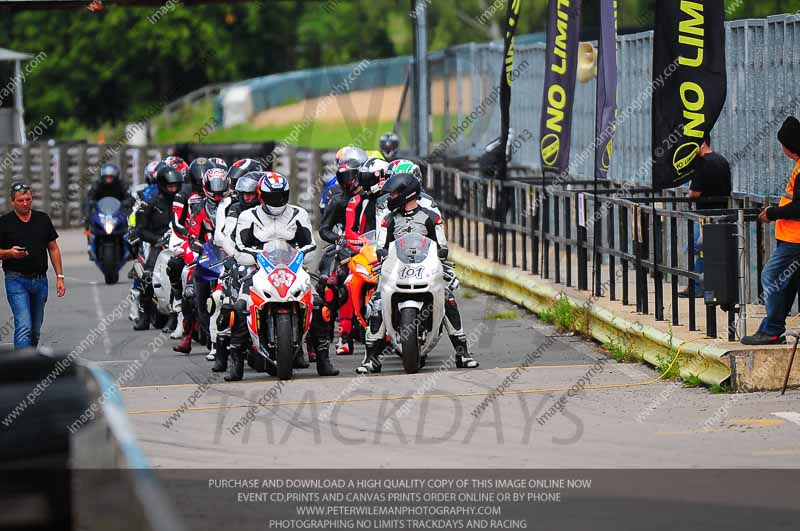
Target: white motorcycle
point(279, 309)
point(413, 298)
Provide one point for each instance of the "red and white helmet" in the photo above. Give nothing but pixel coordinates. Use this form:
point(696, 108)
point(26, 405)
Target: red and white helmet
point(273, 192)
point(216, 184)
point(220, 163)
point(179, 164)
point(150, 172)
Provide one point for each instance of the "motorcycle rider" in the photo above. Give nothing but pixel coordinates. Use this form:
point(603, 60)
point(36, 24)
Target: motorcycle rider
point(331, 230)
point(360, 212)
point(408, 217)
point(246, 197)
point(152, 222)
point(200, 223)
point(187, 203)
point(274, 219)
point(223, 234)
point(389, 144)
point(141, 194)
point(108, 184)
point(425, 200)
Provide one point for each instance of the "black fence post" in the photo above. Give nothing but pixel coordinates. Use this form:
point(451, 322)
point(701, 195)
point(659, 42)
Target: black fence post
point(568, 237)
point(545, 213)
point(583, 255)
point(625, 246)
point(534, 230)
point(612, 273)
point(673, 255)
point(690, 267)
point(557, 233)
point(658, 252)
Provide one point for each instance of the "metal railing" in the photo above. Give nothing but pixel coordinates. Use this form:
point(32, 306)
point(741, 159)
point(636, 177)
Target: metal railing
point(628, 245)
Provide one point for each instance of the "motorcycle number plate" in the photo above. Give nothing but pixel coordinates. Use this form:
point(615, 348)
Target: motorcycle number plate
point(282, 279)
point(411, 272)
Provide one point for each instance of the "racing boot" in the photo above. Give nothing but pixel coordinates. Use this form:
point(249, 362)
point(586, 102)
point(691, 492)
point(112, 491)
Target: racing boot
point(300, 361)
point(180, 326)
point(371, 364)
point(135, 297)
point(345, 345)
point(323, 347)
point(172, 323)
point(237, 364)
point(185, 346)
point(311, 349)
point(142, 320)
point(221, 359)
point(463, 360)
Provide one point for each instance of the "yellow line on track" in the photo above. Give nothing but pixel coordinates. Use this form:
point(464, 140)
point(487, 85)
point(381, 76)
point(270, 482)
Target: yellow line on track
point(392, 398)
point(333, 378)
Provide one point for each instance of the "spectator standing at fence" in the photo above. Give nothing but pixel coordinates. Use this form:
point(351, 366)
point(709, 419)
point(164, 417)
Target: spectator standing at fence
point(713, 181)
point(26, 237)
point(779, 278)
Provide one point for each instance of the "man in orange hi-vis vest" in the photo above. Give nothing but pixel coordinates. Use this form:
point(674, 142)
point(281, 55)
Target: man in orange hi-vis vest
point(779, 278)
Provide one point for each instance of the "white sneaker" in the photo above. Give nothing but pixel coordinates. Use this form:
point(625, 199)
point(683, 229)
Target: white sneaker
point(211, 356)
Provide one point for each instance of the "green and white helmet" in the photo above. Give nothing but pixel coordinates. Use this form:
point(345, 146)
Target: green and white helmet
point(404, 166)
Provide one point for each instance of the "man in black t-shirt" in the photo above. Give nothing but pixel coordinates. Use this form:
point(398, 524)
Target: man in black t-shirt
point(713, 180)
point(27, 236)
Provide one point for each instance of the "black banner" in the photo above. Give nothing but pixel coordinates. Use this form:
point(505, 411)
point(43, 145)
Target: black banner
point(512, 16)
point(606, 103)
point(689, 84)
point(563, 32)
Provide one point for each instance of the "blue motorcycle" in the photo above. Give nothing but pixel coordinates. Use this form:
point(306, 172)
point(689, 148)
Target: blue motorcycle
point(108, 247)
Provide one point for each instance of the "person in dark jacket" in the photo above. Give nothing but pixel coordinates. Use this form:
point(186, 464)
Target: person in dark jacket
point(109, 184)
point(152, 222)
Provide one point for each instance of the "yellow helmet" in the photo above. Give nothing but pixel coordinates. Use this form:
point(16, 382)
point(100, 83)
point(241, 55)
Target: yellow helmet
point(375, 154)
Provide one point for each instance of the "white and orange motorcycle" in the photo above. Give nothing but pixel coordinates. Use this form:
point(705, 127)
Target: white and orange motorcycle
point(279, 309)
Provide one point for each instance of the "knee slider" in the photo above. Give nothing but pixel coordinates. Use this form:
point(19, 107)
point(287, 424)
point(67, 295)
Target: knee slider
point(188, 292)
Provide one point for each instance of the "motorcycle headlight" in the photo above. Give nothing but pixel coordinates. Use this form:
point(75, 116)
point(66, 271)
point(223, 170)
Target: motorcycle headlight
point(108, 226)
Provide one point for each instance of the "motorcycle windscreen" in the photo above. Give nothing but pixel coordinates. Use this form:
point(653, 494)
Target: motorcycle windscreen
point(279, 253)
point(369, 238)
point(413, 248)
point(109, 205)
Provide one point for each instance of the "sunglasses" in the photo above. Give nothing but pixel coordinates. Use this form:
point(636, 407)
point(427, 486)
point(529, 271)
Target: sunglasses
point(19, 187)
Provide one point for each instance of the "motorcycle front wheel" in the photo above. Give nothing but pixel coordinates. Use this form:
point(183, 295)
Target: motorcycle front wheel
point(409, 342)
point(285, 353)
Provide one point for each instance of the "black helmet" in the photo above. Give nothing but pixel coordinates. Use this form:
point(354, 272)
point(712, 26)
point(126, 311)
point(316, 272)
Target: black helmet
point(347, 175)
point(109, 174)
point(197, 169)
point(166, 176)
point(402, 188)
point(242, 167)
point(389, 144)
point(248, 184)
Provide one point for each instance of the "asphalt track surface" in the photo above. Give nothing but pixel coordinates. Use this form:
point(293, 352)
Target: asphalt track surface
point(186, 417)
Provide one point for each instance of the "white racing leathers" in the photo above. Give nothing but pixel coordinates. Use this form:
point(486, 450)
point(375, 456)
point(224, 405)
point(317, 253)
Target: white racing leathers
point(253, 229)
point(428, 223)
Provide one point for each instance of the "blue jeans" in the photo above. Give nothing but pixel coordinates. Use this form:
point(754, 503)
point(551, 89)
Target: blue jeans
point(27, 298)
point(780, 281)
